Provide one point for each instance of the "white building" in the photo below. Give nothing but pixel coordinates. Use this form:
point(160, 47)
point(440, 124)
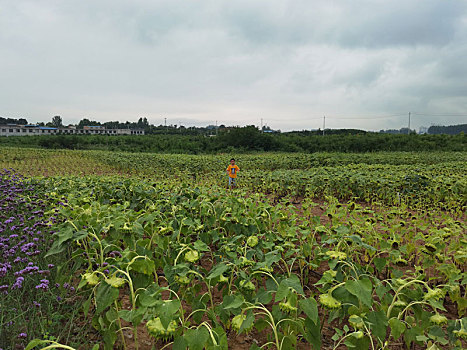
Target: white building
point(34, 130)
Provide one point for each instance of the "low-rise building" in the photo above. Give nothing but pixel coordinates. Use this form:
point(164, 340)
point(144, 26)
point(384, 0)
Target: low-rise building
point(34, 130)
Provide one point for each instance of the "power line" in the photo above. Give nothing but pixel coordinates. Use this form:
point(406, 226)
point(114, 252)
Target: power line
point(333, 117)
point(369, 117)
point(442, 114)
point(295, 119)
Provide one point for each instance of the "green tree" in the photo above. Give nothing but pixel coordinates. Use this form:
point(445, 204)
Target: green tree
point(87, 122)
point(57, 121)
point(247, 138)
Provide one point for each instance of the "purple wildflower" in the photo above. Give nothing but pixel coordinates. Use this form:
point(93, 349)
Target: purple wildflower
point(18, 284)
point(43, 285)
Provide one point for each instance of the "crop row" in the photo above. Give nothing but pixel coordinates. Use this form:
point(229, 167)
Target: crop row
point(261, 161)
point(433, 179)
point(192, 267)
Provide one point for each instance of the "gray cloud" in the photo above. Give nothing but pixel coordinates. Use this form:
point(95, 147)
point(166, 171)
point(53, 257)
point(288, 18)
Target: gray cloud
point(377, 24)
point(235, 62)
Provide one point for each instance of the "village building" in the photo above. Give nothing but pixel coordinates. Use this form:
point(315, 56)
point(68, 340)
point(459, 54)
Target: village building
point(35, 130)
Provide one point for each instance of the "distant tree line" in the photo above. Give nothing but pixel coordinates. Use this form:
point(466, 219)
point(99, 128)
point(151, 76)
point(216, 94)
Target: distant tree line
point(398, 131)
point(450, 130)
point(20, 121)
point(171, 129)
point(248, 139)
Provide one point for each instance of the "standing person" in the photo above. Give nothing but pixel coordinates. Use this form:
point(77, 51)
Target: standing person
point(232, 170)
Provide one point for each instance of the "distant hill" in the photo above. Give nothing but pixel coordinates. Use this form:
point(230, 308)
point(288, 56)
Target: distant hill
point(450, 130)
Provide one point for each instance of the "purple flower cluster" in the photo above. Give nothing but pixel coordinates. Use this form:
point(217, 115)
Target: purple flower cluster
point(25, 236)
point(43, 285)
point(18, 284)
point(24, 232)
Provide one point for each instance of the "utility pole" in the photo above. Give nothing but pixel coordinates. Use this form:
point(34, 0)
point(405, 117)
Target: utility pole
point(261, 124)
point(408, 131)
point(324, 123)
point(216, 127)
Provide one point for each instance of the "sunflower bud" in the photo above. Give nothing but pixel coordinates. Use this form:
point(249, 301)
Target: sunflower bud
point(333, 254)
point(246, 262)
point(266, 269)
point(435, 294)
point(399, 282)
point(157, 330)
point(252, 241)
point(182, 279)
point(115, 281)
point(330, 273)
point(357, 335)
point(223, 279)
point(287, 307)
point(328, 301)
point(91, 278)
point(237, 322)
point(400, 303)
point(461, 333)
point(438, 319)
point(247, 285)
point(191, 256)
point(356, 322)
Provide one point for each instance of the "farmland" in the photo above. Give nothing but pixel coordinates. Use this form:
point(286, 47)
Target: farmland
point(324, 250)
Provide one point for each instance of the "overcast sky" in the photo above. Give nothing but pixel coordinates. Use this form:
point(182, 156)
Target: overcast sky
point(362, 64)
